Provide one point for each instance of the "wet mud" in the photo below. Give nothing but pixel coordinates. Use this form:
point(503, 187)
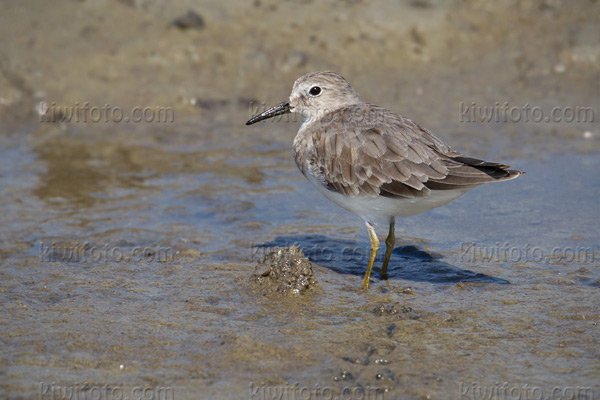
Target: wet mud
point(285, 270)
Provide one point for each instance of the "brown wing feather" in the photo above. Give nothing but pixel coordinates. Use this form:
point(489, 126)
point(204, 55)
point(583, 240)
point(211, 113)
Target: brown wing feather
point(382, 153)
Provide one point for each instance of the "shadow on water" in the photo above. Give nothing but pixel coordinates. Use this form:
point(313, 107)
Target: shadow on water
point(408, 262)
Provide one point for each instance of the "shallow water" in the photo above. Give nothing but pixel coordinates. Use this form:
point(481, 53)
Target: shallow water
point(506, 276)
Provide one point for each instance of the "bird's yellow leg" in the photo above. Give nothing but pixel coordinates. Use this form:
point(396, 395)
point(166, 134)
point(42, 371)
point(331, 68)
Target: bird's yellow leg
point(374, 248)
point(389, 247)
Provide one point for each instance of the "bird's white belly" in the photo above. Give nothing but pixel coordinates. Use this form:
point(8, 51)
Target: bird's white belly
point(379, 210)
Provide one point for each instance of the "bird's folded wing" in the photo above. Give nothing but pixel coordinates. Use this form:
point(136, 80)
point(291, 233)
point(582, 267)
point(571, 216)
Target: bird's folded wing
point(397, 158)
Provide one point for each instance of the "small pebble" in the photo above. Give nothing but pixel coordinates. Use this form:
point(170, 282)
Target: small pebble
point(190, 20)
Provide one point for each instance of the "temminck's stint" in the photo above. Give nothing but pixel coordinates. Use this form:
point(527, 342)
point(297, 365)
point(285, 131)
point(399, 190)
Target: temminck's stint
point(372, 162)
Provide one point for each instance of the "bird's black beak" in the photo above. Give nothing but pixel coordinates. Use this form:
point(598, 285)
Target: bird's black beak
point(281, 108)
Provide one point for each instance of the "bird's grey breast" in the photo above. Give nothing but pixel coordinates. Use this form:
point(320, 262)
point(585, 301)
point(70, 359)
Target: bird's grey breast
point(305, 153)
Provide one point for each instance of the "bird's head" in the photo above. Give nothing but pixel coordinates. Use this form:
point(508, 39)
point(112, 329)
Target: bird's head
point(313, 96)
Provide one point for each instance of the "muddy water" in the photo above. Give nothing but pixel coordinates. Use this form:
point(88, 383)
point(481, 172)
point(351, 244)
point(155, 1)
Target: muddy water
point(127, 251)
point(499, 286)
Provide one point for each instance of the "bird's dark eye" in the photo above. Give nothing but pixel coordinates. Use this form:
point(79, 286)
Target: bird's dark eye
point(315, 91)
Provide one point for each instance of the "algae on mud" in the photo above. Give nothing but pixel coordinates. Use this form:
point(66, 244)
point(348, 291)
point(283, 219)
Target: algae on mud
point(284, 270)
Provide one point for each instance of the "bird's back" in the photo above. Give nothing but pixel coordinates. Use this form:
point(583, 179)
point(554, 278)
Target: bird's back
point(367, 151)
